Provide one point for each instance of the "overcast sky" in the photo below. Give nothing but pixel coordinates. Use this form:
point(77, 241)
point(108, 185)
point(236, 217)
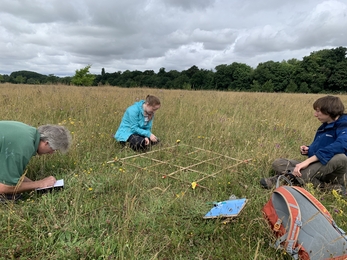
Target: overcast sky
point(60, 36)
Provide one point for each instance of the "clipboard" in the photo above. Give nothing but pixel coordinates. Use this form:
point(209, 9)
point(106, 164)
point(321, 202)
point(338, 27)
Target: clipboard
point(227, 208)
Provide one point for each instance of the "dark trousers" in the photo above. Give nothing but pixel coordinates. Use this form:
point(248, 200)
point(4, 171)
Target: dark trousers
point(334, 171)
point(138, 143)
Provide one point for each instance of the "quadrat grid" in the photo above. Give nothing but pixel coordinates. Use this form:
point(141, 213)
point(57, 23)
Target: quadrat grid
point(187, 164)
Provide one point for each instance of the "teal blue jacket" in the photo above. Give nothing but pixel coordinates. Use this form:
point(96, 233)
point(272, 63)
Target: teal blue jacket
point(18, 143)
point(133, 122)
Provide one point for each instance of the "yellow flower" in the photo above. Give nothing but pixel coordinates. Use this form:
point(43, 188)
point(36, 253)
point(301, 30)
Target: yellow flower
point(90, 188)
point(194, 184)
point(178, 141)
point(336, 195)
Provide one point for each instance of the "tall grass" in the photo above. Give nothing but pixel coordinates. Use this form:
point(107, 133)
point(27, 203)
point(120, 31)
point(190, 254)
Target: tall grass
point(128, 210)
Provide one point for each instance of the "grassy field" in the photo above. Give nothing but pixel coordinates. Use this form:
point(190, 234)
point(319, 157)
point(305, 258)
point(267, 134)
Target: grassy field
point(144, 207)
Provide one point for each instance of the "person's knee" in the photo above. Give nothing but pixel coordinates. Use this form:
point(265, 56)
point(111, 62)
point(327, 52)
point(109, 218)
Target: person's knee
point(339, 157)
point(339, 160)
point(277, 163)
point(281, 165)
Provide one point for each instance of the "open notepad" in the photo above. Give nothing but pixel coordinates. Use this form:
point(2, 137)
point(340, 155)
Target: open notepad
point(228, 208)
point(59, 184)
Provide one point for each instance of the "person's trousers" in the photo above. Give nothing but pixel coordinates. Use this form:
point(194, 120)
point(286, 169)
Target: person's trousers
point(334, 171)
point(138, 143)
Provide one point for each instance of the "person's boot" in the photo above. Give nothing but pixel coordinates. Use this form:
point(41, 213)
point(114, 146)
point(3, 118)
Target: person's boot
point(269, 183)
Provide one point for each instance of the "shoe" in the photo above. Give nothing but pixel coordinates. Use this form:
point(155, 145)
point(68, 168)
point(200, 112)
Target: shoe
point(269, 183)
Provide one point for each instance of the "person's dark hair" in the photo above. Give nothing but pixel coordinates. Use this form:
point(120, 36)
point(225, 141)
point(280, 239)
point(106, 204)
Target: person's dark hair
point(330, 105)
point(58, 137)
point(152, 100)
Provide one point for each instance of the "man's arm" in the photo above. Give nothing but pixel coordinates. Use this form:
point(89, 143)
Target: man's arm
point(27, 185)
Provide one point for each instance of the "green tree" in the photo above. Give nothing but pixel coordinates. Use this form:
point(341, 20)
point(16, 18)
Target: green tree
point(268, 86)
point(24, 75)
point(20, 79)
point(51, 79)
point(255, 86)
point(292, 87)
point(304, 88)
point(323, 70)
point(83, 77)
point(338, 80)
point(279, 73)
point(223, 77)
point(241, 76)
point(181, 81)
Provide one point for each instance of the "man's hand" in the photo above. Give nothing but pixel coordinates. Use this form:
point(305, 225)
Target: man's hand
point(27, 185)
point(47, 182)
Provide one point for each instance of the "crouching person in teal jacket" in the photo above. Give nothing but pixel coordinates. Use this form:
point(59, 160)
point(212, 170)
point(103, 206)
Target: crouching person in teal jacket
point(136, 124)
point(18, 143)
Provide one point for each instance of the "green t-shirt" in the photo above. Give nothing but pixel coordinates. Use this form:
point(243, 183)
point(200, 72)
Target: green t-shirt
point(18, 143)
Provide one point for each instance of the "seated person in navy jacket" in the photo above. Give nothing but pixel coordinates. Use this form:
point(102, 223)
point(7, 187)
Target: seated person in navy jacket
point(326, 163)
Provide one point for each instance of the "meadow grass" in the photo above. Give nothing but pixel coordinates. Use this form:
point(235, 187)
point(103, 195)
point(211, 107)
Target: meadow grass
point(128, 209)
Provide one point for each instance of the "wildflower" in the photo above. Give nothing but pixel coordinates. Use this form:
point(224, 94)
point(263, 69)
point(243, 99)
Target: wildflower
point(178, 141)
point(90, 188)
point(336, 195)
point(194, 184)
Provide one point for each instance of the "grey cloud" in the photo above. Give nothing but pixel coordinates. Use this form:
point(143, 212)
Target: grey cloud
point(37, 12)
point(189, 4)
point(58, 37)
point(322, 26)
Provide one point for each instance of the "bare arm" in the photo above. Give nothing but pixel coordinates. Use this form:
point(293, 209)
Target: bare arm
point(27, 185)
point(303, 165)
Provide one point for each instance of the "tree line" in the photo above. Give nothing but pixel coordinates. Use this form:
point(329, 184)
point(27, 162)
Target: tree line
point(322, 71)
